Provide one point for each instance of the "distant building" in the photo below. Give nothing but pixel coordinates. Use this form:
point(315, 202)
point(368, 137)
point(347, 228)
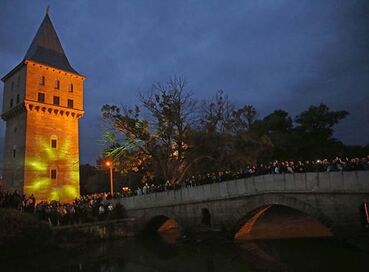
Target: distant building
point(42, 104)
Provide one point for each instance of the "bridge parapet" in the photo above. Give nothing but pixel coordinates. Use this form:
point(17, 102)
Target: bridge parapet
point(298, 183)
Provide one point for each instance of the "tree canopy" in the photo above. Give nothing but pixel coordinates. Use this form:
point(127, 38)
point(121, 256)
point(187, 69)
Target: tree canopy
point(168, 135)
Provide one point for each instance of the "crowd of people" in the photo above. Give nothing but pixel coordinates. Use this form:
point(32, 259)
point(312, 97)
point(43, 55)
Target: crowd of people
point(17, 201)
point(90, 208)
point(276, 167)
point(100, 206)
point(282, 167)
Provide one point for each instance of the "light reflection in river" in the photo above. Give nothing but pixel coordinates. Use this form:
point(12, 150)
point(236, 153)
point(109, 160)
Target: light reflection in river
point(154, 254)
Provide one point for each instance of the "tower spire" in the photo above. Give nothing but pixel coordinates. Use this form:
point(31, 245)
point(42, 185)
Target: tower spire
point(46, 47)
point(47, 10)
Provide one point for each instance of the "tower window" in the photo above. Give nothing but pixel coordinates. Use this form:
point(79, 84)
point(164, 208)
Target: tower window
point(71, 88)
point(57, 84)
point(53, 143)
point(18, 82)
point(42, 80)
point(41, 97)
point(53, 174)
point(14, 152)
point(11, 102)
point(18, 98)
point(70, 103)
point(12, 86)
point(56, 100)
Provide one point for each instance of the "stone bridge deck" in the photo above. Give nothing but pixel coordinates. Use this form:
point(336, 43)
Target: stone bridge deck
point(300, 183)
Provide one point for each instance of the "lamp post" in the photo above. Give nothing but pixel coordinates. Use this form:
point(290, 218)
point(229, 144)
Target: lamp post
point(110, 165)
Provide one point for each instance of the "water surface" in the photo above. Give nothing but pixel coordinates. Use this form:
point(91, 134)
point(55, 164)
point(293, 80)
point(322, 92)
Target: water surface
point(154, 254)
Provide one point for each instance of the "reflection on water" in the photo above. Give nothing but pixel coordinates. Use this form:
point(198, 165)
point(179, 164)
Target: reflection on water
point(154, 254)
point(276, 221)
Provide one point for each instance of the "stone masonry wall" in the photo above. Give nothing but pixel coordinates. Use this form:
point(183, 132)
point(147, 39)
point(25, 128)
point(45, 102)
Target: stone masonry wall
point(331, 198)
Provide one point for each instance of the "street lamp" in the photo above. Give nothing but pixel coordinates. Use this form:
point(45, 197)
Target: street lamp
point(110, 165)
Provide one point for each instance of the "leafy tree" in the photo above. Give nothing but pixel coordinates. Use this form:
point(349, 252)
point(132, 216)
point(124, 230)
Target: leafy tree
point(85, 172)
point(160, 145)
point(215, 114)
point(278, 126)
point(314, 132)
point(243, 118)
point(230, 132)
point(168, 136)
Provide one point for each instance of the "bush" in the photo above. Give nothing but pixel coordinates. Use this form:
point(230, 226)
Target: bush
point(22, 229)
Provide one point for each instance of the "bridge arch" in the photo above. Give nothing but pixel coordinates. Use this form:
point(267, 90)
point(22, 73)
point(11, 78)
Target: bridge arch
point(248, 214)
point(160, 221)
point(205, 217)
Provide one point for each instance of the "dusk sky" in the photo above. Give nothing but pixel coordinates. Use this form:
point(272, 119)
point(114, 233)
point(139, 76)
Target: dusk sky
point(268, 53)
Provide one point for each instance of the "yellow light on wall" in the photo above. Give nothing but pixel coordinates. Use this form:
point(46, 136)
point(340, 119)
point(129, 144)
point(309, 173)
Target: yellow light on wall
point(66, 185)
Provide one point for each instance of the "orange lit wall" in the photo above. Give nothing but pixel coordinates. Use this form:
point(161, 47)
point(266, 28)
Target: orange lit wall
point(45, 122)
point(37, 123)
point(40, 157)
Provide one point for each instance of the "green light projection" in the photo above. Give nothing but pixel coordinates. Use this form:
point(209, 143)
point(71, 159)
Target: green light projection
point(38, 180)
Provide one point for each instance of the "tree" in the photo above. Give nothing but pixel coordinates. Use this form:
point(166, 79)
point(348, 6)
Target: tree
point(278, 127)
point(167, 136)
point(243, 118)
point(85, 172)
point(216, 114)
point(230, 131)
point(314, 132)
point(160, 145)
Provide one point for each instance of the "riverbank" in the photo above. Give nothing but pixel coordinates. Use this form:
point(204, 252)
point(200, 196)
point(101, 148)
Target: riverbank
point(20, 231)
point(19, 228)
point(22, 228)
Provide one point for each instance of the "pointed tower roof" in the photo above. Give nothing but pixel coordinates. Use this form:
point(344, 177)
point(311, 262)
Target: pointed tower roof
point(47, 49)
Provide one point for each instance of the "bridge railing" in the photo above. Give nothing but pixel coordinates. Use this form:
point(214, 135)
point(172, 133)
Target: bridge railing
point(325, 182)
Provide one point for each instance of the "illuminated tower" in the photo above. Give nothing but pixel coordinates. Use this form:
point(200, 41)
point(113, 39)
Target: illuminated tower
point(42, 103)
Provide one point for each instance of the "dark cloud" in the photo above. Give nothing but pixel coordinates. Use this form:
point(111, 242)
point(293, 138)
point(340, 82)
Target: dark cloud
point(273, 54)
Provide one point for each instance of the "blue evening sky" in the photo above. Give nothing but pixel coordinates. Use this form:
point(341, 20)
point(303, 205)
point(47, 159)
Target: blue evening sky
point(269, 53)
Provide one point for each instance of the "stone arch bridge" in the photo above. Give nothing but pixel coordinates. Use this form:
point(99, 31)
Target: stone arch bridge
point(335, 199)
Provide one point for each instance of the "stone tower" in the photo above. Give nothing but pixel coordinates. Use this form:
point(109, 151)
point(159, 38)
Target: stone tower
point(42, 104)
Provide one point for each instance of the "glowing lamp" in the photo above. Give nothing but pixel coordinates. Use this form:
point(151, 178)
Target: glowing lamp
point(110, 165)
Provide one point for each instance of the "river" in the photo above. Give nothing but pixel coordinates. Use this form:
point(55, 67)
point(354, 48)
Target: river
point(156, 254)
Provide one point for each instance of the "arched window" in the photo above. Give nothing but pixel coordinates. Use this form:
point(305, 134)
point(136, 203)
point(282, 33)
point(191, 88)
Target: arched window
point(14, 150)
point(42, 80)
point(70, 103)
point(56, 100)
point(41, 97)
point(54, 141)
point(57, 84)
point(205, 217)
point(53, 173)
point(71, 88)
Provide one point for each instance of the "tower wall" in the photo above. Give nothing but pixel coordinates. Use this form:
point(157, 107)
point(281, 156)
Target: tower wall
point(46, 122)
point(14, 85)
point(42, 103)
point(41, 158)
point(14, 148)
point(13, 167)
point(33, 86)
